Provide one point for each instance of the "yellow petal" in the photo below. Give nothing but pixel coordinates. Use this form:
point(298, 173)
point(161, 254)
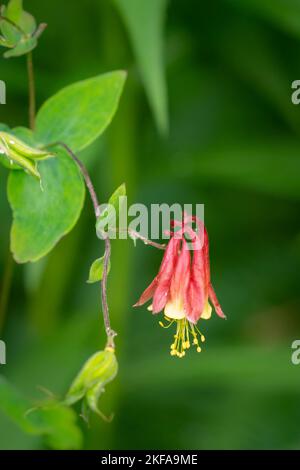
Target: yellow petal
point(206, 314)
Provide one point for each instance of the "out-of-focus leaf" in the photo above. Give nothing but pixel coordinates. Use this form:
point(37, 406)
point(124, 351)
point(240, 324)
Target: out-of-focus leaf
point(54, 422)
point(58, 423)
point(114, 198)
point(96, 271)
point(14, 405)
point(79, 113)
point(261, 68)
point(284, 13)
point(42, 217)
point(243, 367)
point(4, 127)
point(24, 134)
point(272, 167)
point(145, 23)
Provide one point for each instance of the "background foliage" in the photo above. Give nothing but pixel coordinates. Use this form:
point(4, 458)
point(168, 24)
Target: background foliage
point(234, 145)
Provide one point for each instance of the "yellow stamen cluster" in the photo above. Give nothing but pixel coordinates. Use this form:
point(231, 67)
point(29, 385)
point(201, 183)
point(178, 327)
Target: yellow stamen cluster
point(186, 335)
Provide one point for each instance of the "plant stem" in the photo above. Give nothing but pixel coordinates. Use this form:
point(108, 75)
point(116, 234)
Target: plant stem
point(135, 234)
point(31, 90)
point(105, 310)
point(5, 291)
point(85, 174)
point(109, 332)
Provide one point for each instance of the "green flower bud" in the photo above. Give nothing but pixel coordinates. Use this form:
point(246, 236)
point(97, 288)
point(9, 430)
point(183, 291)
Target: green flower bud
point(19, 29)
point(99, 370)
point(21, 154)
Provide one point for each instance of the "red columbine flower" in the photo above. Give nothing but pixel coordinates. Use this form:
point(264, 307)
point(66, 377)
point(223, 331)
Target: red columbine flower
point(182, 287)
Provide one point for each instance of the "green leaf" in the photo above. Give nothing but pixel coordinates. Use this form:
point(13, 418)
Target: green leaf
point(24, 134)
point(42, 217)
point(79, 113)
point(145, 23)
point(4, 127)
point(57, 423)
point(96, 270)
point(119, 192)
point(53, 421)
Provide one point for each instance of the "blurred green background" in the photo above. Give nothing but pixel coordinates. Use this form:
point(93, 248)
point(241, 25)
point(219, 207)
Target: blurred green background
point(234, 145)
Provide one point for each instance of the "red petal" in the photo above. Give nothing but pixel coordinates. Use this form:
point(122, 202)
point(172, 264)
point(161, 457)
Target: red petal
point(181, 276)
point(213, 298)
point(165, 274)
point(194, 302)
point(206, 258)
point(162, 280)
point(196, 294)
point(161, 296)
point(169, 258)
point(147, 294)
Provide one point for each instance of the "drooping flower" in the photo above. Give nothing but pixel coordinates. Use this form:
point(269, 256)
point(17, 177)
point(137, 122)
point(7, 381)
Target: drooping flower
point(182, 287)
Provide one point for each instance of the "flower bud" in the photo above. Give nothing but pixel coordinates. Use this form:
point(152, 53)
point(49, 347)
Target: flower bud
point(21, 154)
point(19, 29)
point(99, 369)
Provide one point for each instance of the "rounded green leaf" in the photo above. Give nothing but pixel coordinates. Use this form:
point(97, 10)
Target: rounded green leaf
point(79, 113)
point(41, 217)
